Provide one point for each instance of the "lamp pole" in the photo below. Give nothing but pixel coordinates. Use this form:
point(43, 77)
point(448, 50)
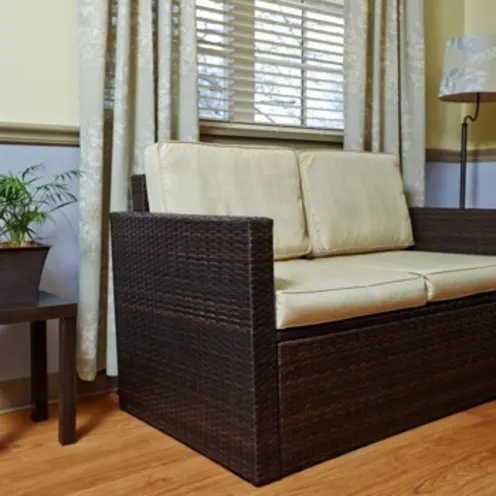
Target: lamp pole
point(463, 155)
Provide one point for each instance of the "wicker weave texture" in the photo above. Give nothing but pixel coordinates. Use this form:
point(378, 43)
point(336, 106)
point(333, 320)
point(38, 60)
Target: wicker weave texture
point(139, 194)
point(454, 231)
point(348, 389)
point(197, 351)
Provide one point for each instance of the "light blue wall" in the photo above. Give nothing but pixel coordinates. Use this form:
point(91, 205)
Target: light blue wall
point(442, 185)
point(61, 271)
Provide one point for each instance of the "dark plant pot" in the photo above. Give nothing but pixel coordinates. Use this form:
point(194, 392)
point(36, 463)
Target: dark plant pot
point(20, 274)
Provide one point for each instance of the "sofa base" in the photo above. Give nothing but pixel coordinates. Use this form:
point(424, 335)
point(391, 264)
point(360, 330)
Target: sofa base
point(353, 387)
point(360, 382)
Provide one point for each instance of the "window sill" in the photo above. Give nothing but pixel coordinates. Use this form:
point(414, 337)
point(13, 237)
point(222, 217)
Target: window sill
point(215, 129)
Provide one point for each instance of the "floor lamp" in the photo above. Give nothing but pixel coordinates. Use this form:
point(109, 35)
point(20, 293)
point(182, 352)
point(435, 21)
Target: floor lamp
point(469, 76)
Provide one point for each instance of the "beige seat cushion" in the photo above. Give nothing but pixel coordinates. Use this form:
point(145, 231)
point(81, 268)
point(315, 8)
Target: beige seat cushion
point(207, 179)
point(447, 275)
point(354, 202)
point(322, 290)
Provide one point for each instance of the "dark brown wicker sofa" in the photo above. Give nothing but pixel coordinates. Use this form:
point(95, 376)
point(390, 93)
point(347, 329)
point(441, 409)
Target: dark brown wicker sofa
point(201, 359)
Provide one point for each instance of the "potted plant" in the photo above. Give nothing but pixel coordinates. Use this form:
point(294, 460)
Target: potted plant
point(27, 199)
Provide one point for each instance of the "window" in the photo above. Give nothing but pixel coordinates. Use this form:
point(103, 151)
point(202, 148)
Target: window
point(271, 62)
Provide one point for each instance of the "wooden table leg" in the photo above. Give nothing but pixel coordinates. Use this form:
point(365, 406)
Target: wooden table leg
point(67, 381)
point(39, 388)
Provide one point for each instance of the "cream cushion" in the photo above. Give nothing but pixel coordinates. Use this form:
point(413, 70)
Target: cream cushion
point(447, 275)
point(322, 290)
point(208, 179)
point(354, 202)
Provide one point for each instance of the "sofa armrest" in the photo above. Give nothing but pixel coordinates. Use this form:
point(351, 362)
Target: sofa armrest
point(195, 323)
point(451, 230)
point(211, 268)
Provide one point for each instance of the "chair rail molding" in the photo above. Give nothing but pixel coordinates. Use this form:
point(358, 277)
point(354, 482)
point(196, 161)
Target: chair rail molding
point(453, 156)
point(38, 134)
point(54, 135)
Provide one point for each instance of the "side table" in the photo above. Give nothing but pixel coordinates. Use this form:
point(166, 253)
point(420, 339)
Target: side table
point(50, 307)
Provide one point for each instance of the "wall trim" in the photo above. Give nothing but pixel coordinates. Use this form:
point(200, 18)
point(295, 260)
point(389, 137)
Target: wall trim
point(453, 156)
point(16, 393)
point(41, 134)
point(38, 134)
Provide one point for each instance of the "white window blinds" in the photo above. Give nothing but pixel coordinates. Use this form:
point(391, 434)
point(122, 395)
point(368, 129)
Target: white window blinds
point(272, 62)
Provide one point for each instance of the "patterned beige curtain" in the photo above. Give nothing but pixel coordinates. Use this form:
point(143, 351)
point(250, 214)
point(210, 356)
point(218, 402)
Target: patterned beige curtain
point(384, 84)
point(137, 84)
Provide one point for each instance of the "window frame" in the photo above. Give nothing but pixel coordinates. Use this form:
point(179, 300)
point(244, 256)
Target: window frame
point(232, 127)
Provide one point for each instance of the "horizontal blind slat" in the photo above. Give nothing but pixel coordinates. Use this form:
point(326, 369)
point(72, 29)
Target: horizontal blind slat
point(323, 30)
point(293, 20)
point(323, 7)
point(231, 80)
point(272, 103)
point(244, 63)
point(330, 94)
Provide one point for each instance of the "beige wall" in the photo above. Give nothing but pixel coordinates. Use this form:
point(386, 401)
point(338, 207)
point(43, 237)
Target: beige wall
point(443, 20)
point(38, 62)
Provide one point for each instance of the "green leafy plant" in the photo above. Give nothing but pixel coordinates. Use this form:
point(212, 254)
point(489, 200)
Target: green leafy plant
point(26, 199)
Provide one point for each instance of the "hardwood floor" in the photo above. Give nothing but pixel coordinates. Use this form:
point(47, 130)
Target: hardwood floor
point(119, 455)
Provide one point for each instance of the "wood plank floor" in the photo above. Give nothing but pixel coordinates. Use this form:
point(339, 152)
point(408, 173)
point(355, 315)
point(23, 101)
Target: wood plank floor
point(119, 455)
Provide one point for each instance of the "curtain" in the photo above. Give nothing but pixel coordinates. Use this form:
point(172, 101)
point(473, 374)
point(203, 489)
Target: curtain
point(137, 84)
point(384, 86)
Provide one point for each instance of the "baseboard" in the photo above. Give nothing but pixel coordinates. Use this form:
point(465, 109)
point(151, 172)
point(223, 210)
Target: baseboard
point(16, 393)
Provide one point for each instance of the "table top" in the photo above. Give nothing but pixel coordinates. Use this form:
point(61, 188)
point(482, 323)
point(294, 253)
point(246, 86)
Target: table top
point(49, 306)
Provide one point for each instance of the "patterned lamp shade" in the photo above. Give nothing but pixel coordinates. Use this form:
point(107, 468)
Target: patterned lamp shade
point(469, 69)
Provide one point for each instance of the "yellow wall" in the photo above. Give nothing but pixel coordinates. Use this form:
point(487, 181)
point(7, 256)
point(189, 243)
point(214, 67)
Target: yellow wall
point(443, 20)
point(480, 17)
point(38, 62)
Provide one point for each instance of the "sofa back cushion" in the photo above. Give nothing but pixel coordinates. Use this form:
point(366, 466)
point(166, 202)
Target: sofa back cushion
point(354, 202)
point(209, 179)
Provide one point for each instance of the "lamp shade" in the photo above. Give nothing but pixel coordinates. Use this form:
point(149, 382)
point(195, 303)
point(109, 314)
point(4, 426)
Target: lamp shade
point(469, 69)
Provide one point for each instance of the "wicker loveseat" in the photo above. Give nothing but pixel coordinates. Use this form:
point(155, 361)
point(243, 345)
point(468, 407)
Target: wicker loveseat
point(279, 307)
